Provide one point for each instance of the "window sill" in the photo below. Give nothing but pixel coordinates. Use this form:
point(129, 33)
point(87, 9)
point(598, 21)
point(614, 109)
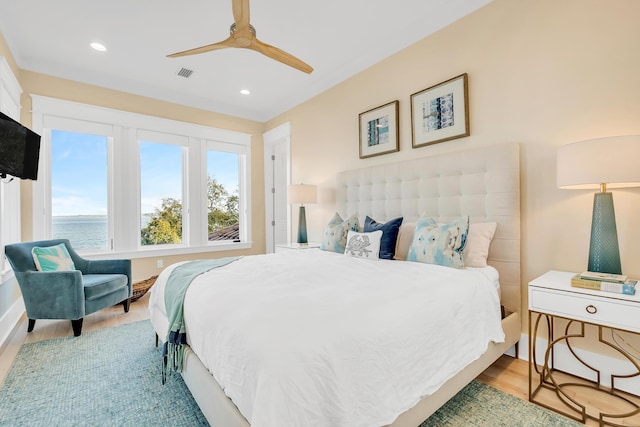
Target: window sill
point(167, 251)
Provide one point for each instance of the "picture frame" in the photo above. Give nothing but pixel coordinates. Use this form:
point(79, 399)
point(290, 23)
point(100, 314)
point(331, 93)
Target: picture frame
point(379, 132)
point(440, 113)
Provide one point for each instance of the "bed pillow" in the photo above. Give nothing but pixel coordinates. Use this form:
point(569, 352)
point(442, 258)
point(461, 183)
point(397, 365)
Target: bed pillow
point(389, 234)
point(476, 251)
point(52, 258)
point(439, 244)
point(405, 238)
point(364, 245)
point(335, 234)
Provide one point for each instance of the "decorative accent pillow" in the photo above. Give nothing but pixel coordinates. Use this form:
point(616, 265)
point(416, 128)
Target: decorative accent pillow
point(389, 234)
point(476, 251)
point(363, 245)
point(52, 258)
point(442, 245)
point(335, 235)
point(405, 238)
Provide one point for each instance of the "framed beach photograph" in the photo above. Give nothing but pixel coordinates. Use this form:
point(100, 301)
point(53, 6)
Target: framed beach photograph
point(440, 113)
point(379, 130)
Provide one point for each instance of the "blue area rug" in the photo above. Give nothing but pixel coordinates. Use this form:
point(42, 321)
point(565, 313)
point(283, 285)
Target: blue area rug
point(108, 377)
point(111, 377)
point(480, 405)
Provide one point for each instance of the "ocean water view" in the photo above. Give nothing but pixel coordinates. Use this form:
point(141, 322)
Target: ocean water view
point(83, 231)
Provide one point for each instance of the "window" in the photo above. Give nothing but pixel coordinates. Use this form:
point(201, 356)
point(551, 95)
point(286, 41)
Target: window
point(79, 189)
point(223, 190)
point(160, 193)
point(144, 178)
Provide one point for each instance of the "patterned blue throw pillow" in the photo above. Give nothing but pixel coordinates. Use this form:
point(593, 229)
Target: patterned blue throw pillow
point(389, 234)
point(442, 245)
point(335, 235)
point(52, 258)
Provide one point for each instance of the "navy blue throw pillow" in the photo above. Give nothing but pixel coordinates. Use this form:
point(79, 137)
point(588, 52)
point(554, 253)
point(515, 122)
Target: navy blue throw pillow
point(389, 234)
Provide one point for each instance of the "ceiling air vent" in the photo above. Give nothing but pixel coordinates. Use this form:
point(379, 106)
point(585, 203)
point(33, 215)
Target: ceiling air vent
point(185, 72)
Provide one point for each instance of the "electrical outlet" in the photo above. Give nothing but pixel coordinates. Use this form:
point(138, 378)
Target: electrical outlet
point(159, 263)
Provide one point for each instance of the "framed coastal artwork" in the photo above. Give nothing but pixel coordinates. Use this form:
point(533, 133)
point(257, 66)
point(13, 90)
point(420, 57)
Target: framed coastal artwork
point(440, 113)
point(379, 130)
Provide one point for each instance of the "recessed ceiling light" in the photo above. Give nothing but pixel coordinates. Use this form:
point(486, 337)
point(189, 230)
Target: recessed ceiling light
point(98, 46)
point(245, 91)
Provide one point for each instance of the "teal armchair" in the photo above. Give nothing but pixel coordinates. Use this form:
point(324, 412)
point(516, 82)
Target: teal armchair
point(94, 285)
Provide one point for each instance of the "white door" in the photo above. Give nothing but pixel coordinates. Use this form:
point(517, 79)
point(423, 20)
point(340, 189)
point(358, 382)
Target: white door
point(276, 179)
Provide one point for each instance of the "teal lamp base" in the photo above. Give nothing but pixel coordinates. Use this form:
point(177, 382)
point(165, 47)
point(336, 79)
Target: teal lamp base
point(604, 254)
point(302, 226)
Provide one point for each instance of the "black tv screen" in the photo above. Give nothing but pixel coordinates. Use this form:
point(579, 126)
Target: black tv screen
point(19, 149)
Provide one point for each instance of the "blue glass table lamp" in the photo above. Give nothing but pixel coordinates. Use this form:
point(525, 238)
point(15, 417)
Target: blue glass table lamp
point(601, 163)
point(299, 194)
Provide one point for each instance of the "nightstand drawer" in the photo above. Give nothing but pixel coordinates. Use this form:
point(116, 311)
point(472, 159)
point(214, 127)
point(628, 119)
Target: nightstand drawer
point(587, 308)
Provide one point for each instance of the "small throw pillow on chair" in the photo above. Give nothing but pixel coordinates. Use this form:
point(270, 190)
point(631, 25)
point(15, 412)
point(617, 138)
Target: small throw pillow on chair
point(53, 258)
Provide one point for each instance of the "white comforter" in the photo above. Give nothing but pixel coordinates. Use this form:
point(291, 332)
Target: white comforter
point(315, 338)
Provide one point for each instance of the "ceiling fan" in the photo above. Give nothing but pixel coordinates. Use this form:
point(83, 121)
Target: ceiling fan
point(243, 35)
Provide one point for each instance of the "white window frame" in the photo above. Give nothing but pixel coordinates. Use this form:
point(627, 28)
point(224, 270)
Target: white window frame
point(174, 140)
point(124, 168)
point(244, 177)
point(10, 215)
point(44, 171)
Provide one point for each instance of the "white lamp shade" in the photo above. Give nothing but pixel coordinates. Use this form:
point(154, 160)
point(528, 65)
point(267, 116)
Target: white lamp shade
point(612, 161)
point(300, 194)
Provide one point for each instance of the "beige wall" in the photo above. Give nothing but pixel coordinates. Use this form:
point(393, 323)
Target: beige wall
point(39, 84)
point(542, 73)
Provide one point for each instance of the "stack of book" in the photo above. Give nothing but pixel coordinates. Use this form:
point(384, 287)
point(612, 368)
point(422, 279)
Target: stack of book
point(607, 282)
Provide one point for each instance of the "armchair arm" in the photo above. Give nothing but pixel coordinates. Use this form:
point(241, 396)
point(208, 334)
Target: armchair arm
point(52, 294)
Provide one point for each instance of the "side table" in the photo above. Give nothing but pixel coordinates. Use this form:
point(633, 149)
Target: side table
point(551, 297)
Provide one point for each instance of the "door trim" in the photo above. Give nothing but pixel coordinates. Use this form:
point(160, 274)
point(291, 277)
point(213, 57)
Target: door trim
point(271, 138)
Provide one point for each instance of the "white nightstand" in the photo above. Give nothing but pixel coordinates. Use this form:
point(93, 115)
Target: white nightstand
point(552, 297)
point(295, 246)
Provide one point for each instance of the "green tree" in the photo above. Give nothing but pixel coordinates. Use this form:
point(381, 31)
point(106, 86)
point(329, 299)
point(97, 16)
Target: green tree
point(222, 206)
point(165, 225)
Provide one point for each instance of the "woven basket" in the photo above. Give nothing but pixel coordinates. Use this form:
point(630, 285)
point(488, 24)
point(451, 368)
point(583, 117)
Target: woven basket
point(141, 288)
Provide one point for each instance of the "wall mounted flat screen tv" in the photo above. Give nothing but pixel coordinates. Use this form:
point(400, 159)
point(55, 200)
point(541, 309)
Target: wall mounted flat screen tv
point(19, 149)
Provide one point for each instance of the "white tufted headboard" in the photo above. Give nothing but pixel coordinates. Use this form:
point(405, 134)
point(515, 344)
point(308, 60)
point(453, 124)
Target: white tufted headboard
point(483, 183)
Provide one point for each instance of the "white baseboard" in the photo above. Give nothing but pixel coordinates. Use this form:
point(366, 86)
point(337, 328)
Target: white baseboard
point(565, 361)
point(10, 319)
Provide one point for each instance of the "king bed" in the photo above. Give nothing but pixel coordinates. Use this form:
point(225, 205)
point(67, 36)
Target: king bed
point(317, 337)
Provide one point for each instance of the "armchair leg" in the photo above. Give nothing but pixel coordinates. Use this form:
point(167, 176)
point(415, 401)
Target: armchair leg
point(32, 323)
point(126, 303)
point(77, 327)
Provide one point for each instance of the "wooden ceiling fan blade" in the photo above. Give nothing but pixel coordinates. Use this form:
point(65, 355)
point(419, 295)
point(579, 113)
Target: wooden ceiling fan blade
point(280, 56)
point(240, 13)
point(229, 42)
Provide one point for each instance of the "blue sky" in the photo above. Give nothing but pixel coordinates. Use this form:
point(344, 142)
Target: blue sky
point(79, 176)
point(79, 173)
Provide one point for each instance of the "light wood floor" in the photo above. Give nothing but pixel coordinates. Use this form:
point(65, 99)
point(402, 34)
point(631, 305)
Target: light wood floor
point(507, 374)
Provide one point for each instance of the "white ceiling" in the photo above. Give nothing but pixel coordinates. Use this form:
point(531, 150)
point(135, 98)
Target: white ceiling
point(337, 37)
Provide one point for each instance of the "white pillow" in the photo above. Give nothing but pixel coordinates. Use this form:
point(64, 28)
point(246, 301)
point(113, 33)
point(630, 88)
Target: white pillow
point(405, 237)
point(363, 245)
point(476, 251)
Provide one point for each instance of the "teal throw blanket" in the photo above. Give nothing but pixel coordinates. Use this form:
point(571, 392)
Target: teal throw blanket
point(174, 292)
